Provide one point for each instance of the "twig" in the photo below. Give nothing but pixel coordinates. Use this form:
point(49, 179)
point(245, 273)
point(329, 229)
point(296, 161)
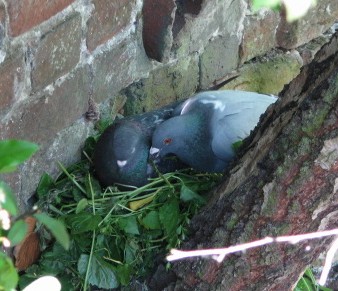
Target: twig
point(93, 238)
point(220, 253)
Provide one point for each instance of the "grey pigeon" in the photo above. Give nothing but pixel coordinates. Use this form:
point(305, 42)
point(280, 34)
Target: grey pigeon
point(122, 151)
point(209, 124)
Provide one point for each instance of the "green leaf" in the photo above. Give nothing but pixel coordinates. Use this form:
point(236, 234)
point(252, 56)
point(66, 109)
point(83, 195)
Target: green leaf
point(188, 195)
point(236, 145)
point(17, 232)
point(102, 124)
point(83, 203)
point(152, 220)
point(56, 227)
point(56, 260)
point(129, 225)
point(94, 185)
point(25, 280)
point(131, 250)
point(45, 185)
point(82, 222)
point(7, 199)
point(89, 146)
point(169, 216)
point(14, 152)
point(258, 4)
point(8, 275)
point(308, 283)
point(308, 273)
point(304, 284)
point(101, 273)
point(124, 273)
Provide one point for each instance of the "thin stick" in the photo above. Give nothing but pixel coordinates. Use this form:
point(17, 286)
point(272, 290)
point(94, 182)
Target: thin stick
point(220, 253)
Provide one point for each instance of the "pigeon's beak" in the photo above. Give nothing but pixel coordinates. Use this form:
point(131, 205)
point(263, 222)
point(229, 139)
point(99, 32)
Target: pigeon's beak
point(154, 153)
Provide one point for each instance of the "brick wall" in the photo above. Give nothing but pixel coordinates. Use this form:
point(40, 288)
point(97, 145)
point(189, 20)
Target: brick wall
point(57, 55)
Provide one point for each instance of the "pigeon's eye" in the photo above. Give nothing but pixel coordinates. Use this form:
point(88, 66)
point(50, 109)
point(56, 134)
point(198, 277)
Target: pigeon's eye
point(167, 141)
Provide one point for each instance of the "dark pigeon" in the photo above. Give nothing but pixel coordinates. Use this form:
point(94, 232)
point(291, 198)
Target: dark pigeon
point(209, 124)
point(122, 151)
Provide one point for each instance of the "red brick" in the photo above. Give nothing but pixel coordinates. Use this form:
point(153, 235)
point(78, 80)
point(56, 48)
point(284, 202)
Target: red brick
point(108, 18)
point(39, 120)
point(25, 14)
point(11, 75)
point(57, 52)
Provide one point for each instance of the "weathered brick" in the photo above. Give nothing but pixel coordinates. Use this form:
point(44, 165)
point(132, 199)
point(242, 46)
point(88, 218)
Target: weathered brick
point(219, 58)
point(57, 53)
point(115, 69)
point(268, 74)
point(108, 18)
point(158, 20)
point(163, 86)
point(315, 22)
point(65, 147)
point(25, 14)
point(39, 121)
point(216, 19)
point(11, 78)
point(259, 34)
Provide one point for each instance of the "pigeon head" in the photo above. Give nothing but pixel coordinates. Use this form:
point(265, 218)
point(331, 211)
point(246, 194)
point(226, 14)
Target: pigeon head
point(176, 136)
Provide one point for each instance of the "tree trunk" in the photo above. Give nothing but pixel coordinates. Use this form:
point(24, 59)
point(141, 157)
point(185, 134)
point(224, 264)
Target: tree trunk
point(285, 183)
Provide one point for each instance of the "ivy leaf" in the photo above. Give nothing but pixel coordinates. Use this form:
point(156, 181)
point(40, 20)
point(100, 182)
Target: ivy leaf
point(101, 273)
point(124, 273)
point(304, 284)
point(169, 216)
point(14, 152)
point(56, 227)
point(131, 250)
point(82, 204)
point(8, 275)
point(188, 195)
point(152, 220)
point(129, 225)
point(7, 199)
point(17, 232)
point(82, 222)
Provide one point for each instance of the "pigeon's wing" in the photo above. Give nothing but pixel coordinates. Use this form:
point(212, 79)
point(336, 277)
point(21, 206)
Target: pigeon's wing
point(234, 124)
point(229, 127)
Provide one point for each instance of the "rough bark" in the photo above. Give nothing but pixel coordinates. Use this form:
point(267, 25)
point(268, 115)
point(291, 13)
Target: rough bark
point(285, 183)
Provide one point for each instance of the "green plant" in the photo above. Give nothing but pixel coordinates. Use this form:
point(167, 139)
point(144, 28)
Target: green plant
point(309, 283)
point(115, 235)
point(13, 227)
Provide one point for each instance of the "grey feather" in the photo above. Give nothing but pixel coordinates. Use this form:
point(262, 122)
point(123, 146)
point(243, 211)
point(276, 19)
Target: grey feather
point(209, 123)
